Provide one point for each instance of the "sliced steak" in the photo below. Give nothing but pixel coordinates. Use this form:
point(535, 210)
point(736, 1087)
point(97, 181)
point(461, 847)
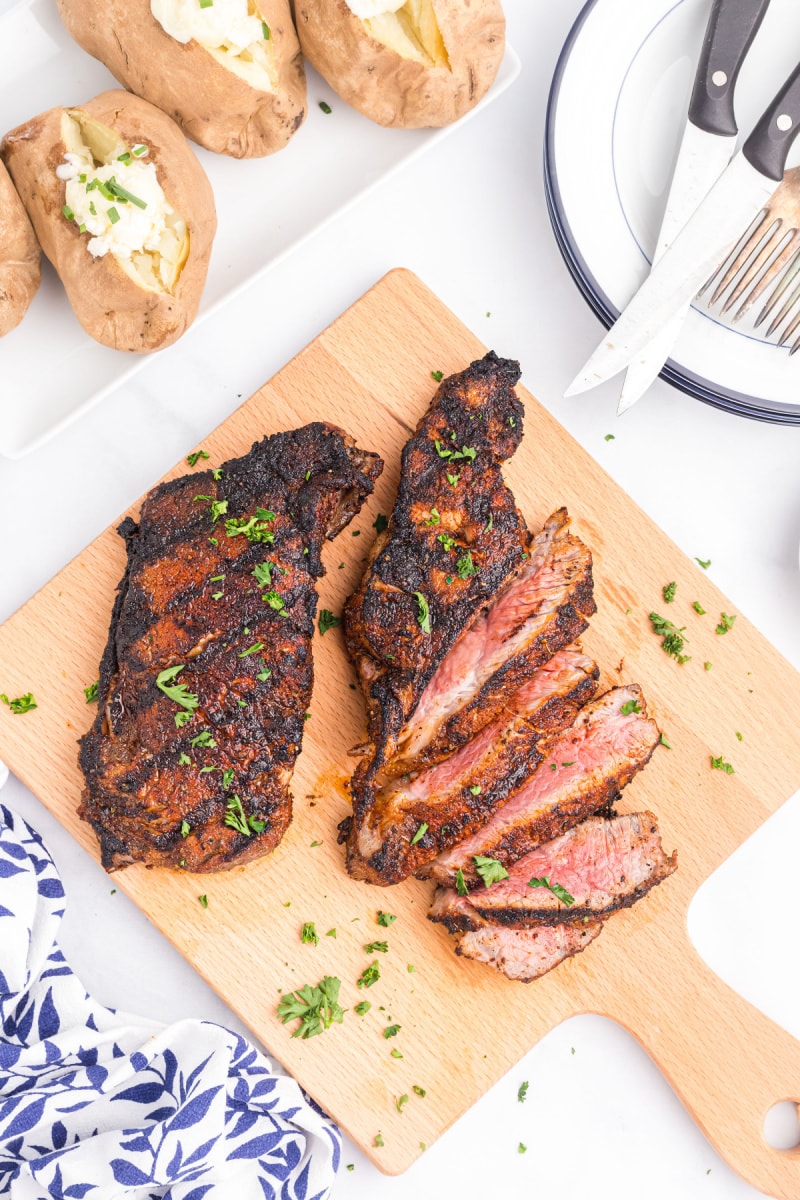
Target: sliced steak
point(207, 672)
point(526, 954)
point(601, 865)
point(584, 772)
point(460, 793)
point(544, 607)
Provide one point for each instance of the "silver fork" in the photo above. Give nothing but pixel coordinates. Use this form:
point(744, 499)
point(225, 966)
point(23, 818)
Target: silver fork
point(767, 257)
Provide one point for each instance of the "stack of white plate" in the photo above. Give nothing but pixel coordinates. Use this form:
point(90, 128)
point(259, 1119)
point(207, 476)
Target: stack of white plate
point(617, 109)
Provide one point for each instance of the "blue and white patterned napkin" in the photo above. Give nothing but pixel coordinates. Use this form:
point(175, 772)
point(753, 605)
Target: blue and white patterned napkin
point(99, 1104)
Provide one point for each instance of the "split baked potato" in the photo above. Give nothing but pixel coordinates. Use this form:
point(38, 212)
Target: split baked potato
point(230, 73)
point(123, 210)
point(20, 271)
point(408, 63)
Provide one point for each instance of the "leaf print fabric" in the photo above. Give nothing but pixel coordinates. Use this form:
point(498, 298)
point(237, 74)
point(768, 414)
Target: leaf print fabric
point(95, 1103)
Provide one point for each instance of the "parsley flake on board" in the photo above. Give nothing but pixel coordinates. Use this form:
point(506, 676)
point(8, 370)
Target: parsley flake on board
point(317, 1008)
point(362, 1008)
point(668, 592)
point(178, 692)
point(400, 1101)
point(90, 692)
point(369, 975)
point(437, 375)
point(698, 608)
point(420, 834)
point(719, 764)
point(672, 639)
point(378, 1139)
point(308, 934)
point(385, 919)
point(391, 1031)
point(523, 1091)
point(704, 563)
point(419, 1091)
point(203, 900)
point(558, 891)
point(396, 1053)
point(461, 887)
point(21, 704)
point(491, 870)
point(663, 742)
point(423, 613)
point(193, 458)
point(610, 437)
point(380, 523)
point(327, 621)
point(377, 947)
point(630, 706)
point(725, 623)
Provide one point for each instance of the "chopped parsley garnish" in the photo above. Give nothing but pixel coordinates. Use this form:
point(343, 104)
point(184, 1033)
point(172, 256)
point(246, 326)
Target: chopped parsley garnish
point(227, 779)
point(705, 564)
point(21, 705)
point(461, 887)
point(465, 567)
point(262, 573)
point(401, 1100)
point(609, 437)
point(423, 613)
point(113, 215)
point(419, 1091)
point(385, 919)
point(182, 718)
point(203, 900)
point(276, 602)
point(698, 608)
point(725, 623)
point(434, 518)
point(264, 675)
point(454, 478)
point(558, 891)
point(218, 509)
point(739, 737)
point(437, 375)
point(396, 1053)
point(369, 975)
point(663, 742)
point(420, 834)
point(177, 692)
point(491, 870)
point(90, 692)
point(668, 592)
point(253, 528)
point(378, 1139)
point(327, 621)
point(630, 706)
point(392, 1031)
point(447, 541)
point(265, 31)
point(522, 1148)
point(68, 213)
point(522, 1092)
point(326, 108)
point(380, 523)
point(203, 739)
point(184, 761)
point(672, 640)
point(377, 948)
point(317, 1008)
point(362, 1008)
point(707, 666)
point(186, 829)
point(488, 526)
point(254, 649)
point(308, 934)
point(476, 789)
point(719, 764)
point(236, 819)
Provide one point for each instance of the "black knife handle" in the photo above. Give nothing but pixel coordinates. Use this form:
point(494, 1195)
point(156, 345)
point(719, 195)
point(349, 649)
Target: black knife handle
point(731, 28)
point(769, 144)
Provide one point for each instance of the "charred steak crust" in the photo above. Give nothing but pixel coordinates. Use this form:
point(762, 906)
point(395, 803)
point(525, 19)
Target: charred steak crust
point(203, 783)
point(474, 423)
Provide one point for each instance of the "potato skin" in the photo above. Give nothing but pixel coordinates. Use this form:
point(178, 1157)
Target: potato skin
point(109, 305)
point(20, 270)
point(212, 105)
point(395, 91)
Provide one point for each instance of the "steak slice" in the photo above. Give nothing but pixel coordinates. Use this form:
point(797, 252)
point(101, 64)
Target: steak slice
point(207, 672)
point(597, 867)
point(584, 771)
point(461, 792)
point(543, 607)
point(526, 954)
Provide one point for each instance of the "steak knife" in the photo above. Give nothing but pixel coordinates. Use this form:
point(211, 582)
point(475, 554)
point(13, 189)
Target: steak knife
point(707, 147)
point(705, 241)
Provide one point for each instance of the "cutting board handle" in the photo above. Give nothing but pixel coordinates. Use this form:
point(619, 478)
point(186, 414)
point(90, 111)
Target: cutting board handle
point(727, 1062)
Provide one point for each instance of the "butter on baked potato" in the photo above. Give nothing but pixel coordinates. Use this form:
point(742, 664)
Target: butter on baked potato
point(123, 210)
point(20, 271)
point(408, 63)
point(229, 72)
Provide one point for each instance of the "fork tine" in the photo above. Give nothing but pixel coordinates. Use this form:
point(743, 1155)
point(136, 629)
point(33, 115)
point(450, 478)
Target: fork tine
point(749, 243)
point(791, 328)
point(784, 282)
point(771, 270)
point(762, 267)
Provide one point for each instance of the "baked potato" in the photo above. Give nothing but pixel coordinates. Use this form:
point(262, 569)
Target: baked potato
point(230, 73)
point(123, 210)
point(407, 63)
point(20, 272)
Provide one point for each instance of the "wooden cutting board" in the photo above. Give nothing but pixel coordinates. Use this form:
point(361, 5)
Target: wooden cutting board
point(461, 1025)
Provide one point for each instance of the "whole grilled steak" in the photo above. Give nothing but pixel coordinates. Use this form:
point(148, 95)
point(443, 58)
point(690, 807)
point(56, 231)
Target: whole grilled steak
point(526, 954)
point(585, 770)
point(599, 866)
point(462, 791)
point(207, 673)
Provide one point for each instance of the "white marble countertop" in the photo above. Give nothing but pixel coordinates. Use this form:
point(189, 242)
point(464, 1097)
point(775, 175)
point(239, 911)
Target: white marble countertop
point(469, 218)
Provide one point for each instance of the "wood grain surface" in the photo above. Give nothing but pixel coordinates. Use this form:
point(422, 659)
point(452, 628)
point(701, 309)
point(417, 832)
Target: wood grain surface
point(462, 1025)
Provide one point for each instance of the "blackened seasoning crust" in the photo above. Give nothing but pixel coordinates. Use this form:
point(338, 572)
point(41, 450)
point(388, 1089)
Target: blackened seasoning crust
point(220, 581)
